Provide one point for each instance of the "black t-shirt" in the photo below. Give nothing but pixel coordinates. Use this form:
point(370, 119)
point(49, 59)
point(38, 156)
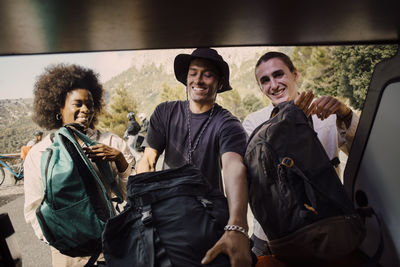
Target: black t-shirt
point(168, 131)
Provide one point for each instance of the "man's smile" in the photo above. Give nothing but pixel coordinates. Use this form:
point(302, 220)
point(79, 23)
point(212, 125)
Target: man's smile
point(278, 92)
point(198, 89)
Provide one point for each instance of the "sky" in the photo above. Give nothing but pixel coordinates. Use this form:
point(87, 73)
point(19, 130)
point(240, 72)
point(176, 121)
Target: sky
point(18, 73)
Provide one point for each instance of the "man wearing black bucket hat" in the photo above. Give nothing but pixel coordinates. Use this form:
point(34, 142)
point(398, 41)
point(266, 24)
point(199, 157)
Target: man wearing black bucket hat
point(201, 132)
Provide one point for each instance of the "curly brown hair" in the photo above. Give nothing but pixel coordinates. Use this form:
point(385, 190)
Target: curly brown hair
point(51, 89)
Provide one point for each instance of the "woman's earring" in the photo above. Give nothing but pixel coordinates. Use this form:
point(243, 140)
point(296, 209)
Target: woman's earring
point(58, 116)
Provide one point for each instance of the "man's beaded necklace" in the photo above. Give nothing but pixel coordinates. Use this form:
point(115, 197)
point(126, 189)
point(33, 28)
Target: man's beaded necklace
point(189, 119)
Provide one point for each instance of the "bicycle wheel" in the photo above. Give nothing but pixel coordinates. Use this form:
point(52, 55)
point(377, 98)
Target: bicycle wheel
point(2, 175)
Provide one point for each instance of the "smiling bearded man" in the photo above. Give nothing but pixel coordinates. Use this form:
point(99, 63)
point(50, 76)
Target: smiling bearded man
point(200, 132)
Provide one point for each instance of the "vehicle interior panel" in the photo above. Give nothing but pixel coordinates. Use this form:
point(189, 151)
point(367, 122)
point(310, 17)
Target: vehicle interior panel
point(47, 26)
point(372, 172)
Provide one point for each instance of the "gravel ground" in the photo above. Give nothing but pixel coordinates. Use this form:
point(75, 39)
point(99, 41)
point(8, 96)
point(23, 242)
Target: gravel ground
point(10, 192)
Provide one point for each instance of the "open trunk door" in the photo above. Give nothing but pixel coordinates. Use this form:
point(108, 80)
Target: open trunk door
point(372, 174)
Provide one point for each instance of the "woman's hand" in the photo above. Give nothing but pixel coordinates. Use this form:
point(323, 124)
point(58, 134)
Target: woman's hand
point(104, 152)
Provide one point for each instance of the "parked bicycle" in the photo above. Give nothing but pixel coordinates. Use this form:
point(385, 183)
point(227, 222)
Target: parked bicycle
point(16, 169)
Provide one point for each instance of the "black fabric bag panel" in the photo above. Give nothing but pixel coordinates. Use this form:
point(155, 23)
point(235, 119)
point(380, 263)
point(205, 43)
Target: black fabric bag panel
point(292, 182)
point(146, 182)
point(124, 243)
point(287, 194)
point(187, 217)
point(188, 232)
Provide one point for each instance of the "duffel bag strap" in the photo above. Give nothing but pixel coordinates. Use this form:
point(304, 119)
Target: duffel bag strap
point(152, 239)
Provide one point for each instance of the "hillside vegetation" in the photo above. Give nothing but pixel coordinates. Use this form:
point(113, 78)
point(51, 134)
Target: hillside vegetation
point(16, 126)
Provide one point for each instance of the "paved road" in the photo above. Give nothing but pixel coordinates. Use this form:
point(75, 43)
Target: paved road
point(34, 252)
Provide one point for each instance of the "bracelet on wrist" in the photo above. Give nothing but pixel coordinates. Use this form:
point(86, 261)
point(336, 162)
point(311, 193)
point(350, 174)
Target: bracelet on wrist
point(237, 229)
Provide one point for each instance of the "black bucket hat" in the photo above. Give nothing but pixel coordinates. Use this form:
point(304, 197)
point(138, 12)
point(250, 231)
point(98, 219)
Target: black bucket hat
point(182, 61)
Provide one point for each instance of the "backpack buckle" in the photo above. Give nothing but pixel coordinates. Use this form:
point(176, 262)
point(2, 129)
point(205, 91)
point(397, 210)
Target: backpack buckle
point(287, 162)
point(147, 217)
point(205, 202)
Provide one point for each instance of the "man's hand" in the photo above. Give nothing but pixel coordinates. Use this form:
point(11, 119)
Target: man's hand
point(304, 100)
point(325, 106)
point(232, 243)
point(235, 245)
point(148, 161)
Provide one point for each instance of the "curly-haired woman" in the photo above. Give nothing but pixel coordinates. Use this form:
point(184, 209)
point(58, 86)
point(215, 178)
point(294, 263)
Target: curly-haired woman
point(66, 94)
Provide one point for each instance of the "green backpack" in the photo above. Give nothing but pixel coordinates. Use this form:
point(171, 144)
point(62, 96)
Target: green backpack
point(75, 206)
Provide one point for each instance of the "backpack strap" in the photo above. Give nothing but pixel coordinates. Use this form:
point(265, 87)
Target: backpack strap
point(161, 254)
point(365, 212)
point(92, 260)
point(287, 162)
point(335, 162)
point(308, 188)
point(156, 249)
point(316, 188)
point(103, 166)
point(274, 112)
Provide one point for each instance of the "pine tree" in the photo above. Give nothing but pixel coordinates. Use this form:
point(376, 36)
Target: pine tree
point(354, 66)
point(114, 117)
point(341, 71)
point(169, 93)
point(251, 104)
point(232, 101)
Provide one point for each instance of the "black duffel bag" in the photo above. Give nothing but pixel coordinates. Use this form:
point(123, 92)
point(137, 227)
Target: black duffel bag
point(172, 218)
